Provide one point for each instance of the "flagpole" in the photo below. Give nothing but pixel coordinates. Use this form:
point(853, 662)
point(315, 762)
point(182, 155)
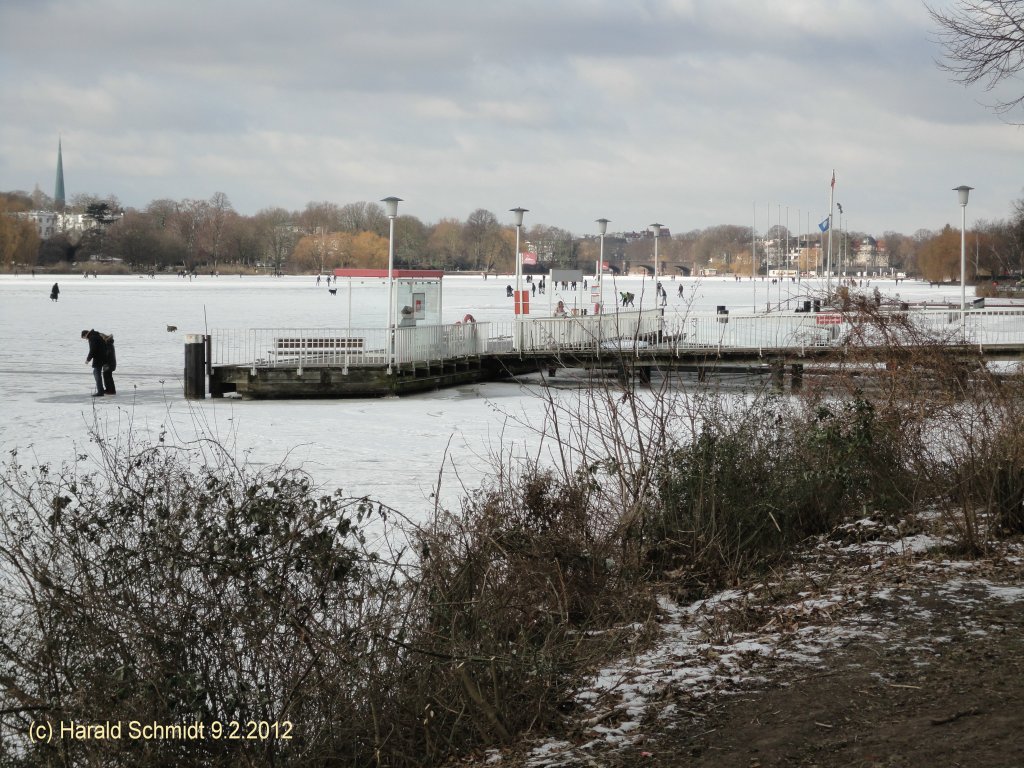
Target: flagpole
point(831, 207)
point(817, 251)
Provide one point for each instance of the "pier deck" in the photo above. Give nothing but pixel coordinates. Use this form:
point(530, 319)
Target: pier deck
point(367, 362)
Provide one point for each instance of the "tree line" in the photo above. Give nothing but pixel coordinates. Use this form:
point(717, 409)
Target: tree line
point(209, 235)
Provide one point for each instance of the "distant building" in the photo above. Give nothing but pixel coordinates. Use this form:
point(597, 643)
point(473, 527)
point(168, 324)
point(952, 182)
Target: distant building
point(870, 256)
point(50, 223)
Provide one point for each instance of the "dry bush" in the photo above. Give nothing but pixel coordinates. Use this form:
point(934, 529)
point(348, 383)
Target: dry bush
point(978, 461)
point(172, 586)
point(512, 597)
point(957, 418)
point(756, 481)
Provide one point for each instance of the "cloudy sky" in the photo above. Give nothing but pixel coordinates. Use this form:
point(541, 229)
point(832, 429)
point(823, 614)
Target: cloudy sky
point(686, 112)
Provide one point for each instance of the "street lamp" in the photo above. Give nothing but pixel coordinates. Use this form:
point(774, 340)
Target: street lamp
point(392, 208)
point(602, 227)
point(963, 192)
point(518, 213)
point(656, 229)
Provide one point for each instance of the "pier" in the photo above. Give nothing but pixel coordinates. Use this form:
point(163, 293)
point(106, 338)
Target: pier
point(375, 362)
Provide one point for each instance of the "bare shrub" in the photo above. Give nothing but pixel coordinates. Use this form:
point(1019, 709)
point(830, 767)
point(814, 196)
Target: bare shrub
point(956, 417)
point(757, 480)
point(512, 598)
point(154, 590)
point(174, 586)
point(980, 462)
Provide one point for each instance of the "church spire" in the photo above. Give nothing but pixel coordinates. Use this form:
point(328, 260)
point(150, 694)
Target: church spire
point(58, 190)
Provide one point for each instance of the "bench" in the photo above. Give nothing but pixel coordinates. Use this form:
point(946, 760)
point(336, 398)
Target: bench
point(327, 344)
point(315, 349)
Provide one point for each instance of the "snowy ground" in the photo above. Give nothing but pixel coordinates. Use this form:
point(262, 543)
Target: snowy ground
point(867, 586)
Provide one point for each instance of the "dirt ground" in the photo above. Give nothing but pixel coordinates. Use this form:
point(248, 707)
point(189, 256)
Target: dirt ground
point(947, 690)
point(925, 667)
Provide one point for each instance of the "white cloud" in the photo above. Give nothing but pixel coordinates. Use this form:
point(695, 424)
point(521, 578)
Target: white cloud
point(575, 109)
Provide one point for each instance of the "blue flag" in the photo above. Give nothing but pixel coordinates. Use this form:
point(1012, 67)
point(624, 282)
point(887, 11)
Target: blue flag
point(824, 224)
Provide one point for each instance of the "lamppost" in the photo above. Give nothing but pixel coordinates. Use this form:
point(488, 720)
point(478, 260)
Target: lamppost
point(839, 256)
point(656, 229)
point(517, 301)
point(963, 192)
point(392, 208)
point(602, 227)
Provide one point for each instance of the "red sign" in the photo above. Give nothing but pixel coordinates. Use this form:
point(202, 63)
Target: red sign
point(828, 319)
point(529, 257)
point(522, 302)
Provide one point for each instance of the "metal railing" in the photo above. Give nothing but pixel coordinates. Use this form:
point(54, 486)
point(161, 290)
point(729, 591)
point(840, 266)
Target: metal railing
point(316, 347)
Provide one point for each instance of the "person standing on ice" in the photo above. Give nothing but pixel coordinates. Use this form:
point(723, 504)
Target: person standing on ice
point(55, 292)
point(101, 355)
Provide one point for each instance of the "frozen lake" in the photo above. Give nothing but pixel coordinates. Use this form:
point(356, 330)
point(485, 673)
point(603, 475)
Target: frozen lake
point(391, 449)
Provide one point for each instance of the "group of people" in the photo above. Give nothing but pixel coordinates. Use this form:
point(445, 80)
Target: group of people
point(535, 288)
point(103, 359)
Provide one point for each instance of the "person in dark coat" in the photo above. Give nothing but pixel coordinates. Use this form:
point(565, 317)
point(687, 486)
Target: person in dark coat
point(102, 359)
point(110, 366)
point(54, 292)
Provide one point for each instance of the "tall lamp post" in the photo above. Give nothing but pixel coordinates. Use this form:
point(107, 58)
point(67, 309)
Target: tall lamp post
point(602, 227)
point(518, 213)
point(392, 209)
point(963, 192)
point(656, 229)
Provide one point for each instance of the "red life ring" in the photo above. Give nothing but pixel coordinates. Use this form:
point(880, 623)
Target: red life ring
point(469, 319)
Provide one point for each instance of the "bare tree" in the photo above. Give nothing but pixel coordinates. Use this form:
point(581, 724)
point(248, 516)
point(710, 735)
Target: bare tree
point(325, 216)
point(983, 42)
point(218, 209)
point(190, 218)
point(278, 235)
point(363, 217)
point(483, 241)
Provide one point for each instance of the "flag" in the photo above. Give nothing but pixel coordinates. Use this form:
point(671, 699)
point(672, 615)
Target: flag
point(824, 224)
point(833, 180)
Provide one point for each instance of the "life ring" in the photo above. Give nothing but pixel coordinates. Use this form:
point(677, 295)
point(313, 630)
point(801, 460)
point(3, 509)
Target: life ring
point(469, 319)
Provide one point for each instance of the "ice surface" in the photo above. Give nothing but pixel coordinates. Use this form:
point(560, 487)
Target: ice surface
point(390, 449)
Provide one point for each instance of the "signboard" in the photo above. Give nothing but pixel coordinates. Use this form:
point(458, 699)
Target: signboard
point(828, 319)
point(566, 275)
point(529, 257)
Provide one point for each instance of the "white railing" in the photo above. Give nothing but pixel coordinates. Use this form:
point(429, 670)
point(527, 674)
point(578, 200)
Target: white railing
point(299, 347)
point(318, 347)
point(755, 331)
point(591, 332)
